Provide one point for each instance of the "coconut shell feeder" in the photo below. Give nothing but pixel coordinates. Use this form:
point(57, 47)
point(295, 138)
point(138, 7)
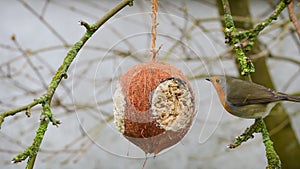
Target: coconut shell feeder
point(154, 104)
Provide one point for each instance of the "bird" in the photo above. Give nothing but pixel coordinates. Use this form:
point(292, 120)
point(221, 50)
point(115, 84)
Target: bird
point(247, 99)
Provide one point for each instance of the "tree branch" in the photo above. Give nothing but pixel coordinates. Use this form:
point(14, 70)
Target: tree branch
point(234, 38)
point(251, 35)
point(45, 100)
point(230, 32)
point(12, 112)
point(293, 17)
point(243, 41)
point(259, 127)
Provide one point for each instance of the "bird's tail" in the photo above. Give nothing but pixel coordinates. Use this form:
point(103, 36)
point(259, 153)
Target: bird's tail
point(293, 98)
point(283, 96)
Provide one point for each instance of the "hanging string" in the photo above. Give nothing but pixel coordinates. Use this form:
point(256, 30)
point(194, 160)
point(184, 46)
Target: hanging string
point(153, 30)
point(145, 161)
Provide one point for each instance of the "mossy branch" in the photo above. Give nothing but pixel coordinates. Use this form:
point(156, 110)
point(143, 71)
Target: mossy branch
point(230, 32)
point(251, 35)
point(243, 41)
point(45, 100)
point(259, 127)
point(12, 112)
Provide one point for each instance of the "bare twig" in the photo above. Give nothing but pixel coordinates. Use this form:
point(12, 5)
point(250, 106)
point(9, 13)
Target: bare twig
point(293, 17)
point(44, 22)
point(34, 68)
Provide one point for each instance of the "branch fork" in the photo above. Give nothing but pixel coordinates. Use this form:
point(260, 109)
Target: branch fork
point(45, 100)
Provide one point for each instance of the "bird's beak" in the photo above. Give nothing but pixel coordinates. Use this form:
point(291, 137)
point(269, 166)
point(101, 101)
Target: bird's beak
point(208, 79)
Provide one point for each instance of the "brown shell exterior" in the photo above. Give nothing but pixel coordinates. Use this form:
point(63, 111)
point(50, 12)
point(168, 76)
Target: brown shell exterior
point(140, 126)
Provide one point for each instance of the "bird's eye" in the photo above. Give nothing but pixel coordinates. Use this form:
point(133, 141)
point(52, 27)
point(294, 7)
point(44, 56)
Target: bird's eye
point(217, 80)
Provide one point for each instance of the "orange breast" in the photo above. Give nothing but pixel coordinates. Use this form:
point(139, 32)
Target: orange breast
point(222, 97)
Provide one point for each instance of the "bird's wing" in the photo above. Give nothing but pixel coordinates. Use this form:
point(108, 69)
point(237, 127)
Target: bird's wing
point(242, 93)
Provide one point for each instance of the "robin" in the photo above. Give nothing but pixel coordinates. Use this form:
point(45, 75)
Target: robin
point(247, 99)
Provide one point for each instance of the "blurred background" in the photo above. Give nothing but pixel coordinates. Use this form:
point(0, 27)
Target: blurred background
point(191, 37)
